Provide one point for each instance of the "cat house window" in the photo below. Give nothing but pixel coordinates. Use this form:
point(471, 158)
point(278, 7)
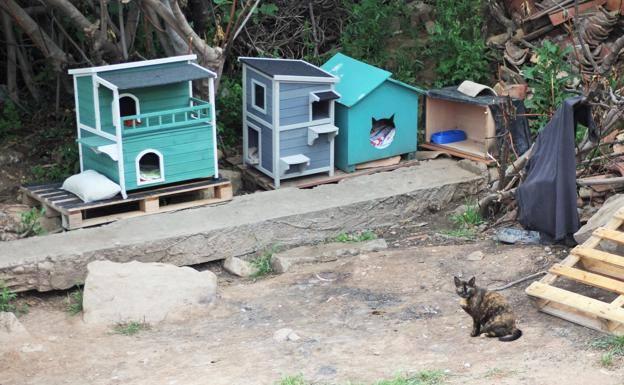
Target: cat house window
point(129, 106)
point(258, 96)
point(149, 167)
point(382, 132)
point(320, 109)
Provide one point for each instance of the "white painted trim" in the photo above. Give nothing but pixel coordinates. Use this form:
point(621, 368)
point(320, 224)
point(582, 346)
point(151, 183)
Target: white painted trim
point(259, 131)
point(190, 93)
point(245, 117)
point(308, 172)
point(143, 63)
point(161, 166)
point(213, 113)
point(250, 114)
point(332, 117)
point(314, 79)
point(137, 105)
point(276, 136)
point(96, 103)
point(119, 139)
point(77, 108)
point(204, 69)
point(254, 83)
point(98, 133)
point(306, 124)
point(105, 83)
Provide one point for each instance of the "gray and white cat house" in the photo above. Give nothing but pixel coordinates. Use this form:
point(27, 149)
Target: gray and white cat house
point(288, 117)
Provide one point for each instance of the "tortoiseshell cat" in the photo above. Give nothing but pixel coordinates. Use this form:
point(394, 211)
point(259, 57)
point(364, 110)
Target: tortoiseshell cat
point(491, 313)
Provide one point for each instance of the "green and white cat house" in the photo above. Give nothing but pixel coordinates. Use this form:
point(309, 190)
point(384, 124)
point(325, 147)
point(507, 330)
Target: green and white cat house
point(140, 125)
point(376, 114)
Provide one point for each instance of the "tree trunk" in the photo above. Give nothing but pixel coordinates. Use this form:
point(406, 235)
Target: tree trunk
point(11, 59)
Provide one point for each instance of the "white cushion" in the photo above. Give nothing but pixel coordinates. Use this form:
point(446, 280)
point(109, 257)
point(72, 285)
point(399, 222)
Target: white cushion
point(91, 186)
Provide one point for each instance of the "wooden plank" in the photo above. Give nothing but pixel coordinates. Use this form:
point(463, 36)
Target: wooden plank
point(609, 234)
point(149, 205)
point(72, 220)
point(456, 153)
point(578, 317)
point(598, 255)
point(570, 260)
point(586, 277)
point(224, 192)
point(379, 163)
point(576, 301)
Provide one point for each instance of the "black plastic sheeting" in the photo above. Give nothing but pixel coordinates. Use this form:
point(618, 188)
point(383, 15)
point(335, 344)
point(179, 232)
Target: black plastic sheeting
point(547, 197)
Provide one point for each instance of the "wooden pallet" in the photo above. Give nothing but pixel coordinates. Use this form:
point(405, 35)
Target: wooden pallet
point(77, 214)
point(587, 265)
point(309, 181)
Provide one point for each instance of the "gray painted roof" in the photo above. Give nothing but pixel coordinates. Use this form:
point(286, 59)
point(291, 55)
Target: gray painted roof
point(156, 76)
point(327, 95)
point(284, 67)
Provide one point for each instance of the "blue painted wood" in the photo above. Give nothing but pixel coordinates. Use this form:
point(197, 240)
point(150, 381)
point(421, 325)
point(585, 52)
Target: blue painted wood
point(253, 75)
point(293, 142)
point(295, 101)
point(266, 140)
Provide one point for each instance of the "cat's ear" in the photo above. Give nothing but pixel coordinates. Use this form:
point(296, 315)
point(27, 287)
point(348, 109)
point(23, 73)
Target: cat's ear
point(374, 121)
point(457, 282)
point(471, 282)
point(392, 118)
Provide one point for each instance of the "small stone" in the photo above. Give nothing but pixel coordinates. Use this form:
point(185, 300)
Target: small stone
point(239, 267)
point(31, 348)
point(466, 364)
point(11, 328)
point(547, 249)
point(475, 256)
point(282, 335)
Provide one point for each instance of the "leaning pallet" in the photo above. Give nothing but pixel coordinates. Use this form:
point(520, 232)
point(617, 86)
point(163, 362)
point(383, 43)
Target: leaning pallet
point(77, 214)
point(588, 265)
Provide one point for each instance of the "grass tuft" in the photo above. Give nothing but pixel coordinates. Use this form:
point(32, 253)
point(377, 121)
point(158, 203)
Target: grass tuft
point(130, 328)
point(606, 360)
point(355, 237)
point(293, 380)
point(74, 301)
point(613, 347)
point(263, 262)
point(7, 299)
point(469, 218)
point(424, 377)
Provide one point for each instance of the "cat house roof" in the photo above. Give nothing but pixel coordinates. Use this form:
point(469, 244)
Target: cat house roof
point(148, 73)
point(358, 79)
point(289, 69)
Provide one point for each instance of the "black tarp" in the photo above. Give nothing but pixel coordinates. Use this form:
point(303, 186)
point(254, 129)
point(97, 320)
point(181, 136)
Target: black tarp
point(547, 197)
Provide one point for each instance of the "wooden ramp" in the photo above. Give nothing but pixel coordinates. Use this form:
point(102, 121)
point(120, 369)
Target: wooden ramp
point(587, 265)
point(76, 214)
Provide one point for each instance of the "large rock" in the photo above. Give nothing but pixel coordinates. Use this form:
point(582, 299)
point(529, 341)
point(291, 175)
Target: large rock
point(606, 212)
point(324, 252)
point(11, 329)
point(145, 292)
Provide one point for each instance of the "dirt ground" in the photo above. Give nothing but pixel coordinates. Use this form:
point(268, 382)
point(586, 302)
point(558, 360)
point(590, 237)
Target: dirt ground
point(360, 319)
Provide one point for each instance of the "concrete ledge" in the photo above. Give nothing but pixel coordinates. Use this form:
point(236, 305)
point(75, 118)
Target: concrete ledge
point(247, 224)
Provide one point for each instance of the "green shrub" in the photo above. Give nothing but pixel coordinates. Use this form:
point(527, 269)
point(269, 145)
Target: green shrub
point(74, 301)
point(457, 44)
point(229, 110)
point(9, 119)
point(7, 299)
point(29, 224)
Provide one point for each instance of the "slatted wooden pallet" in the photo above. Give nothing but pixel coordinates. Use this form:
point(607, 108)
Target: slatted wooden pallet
point(76, 214)
point(587, 265)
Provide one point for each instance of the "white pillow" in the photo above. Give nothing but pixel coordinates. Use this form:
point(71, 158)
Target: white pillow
point(91, 186)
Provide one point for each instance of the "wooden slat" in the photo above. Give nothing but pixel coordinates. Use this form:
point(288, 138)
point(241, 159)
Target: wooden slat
point(586, 277)
point(576, 301)
point(609, 234)
point(598, 255)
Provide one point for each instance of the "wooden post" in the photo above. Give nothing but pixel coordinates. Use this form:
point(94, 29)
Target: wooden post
point(150, 205)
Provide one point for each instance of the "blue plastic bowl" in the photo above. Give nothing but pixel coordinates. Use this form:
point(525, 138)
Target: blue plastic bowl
point(449, 136)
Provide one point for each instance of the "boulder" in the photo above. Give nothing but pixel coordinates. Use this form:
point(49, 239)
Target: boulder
point(11, 329)
point(325, 252)
point(239, 267)
point(606, 212)
point(145, 292)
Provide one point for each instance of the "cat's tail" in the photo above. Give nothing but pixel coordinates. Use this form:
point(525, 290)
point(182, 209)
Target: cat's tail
point(517, 333)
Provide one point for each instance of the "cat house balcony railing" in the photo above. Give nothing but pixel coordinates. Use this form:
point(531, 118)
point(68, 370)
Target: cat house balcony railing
point(198, 113)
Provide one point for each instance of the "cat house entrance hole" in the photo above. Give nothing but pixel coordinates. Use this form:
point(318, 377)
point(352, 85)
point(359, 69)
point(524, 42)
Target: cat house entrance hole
point(149, 167)
point(253, 145)
point(382, 132)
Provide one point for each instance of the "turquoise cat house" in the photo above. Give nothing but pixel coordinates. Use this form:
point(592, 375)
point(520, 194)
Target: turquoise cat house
point(377, 115)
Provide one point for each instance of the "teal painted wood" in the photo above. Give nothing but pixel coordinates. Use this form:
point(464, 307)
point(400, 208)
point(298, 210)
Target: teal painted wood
point(341, 120)
point(197, 114)
point(188, 153)
point(106, 110)
point(101, 163)
point(161, 98)
point(95, 141)
point(388, 99)
point(86, 108)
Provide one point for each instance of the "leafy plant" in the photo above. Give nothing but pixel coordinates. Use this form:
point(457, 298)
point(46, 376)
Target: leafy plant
point(7, 297)
point(229, 115)
point(9, 119)
point(65, 163)
point(29, 222)
point(355, 237)
point(74, 301)
point(262, 263)
point(548, 80)
point(456, 42)
point(130, 328)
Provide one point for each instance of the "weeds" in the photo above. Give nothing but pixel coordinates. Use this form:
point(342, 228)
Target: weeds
point(74, 301)
point(262, 263)
point(606, 359)
point(29, 222)
point(355, 237)
point(469, 218)
point(613, 346)
point(425, 377)
point(130, 328)
point(469, 234)
point(7, 299)
point(293, 380)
